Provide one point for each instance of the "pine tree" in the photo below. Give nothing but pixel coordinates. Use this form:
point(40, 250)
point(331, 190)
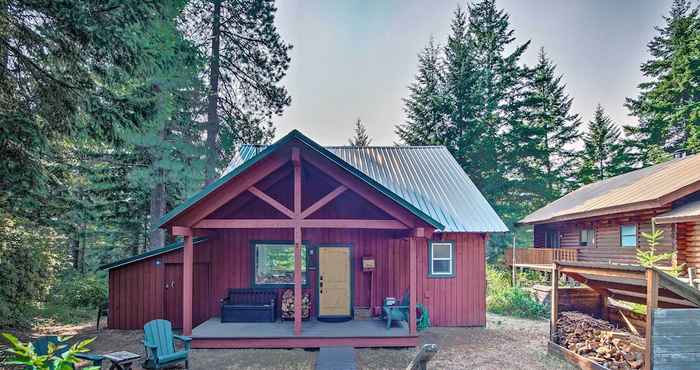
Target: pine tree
point(361, 137)
point(543, 136)
point(603, 155)
point(425, 108)
point(666, 106)
point(247, 59)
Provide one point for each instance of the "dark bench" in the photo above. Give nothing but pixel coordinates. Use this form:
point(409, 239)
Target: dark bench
point(249, 305)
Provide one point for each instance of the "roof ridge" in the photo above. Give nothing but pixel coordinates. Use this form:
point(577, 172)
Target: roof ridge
point(365, 146)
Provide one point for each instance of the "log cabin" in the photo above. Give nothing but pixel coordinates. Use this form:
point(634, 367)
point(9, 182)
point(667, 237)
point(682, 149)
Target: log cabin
point(604, 221)
point(339, 229)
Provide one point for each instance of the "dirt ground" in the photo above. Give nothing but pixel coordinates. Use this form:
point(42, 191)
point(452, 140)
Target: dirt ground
point(505, 343)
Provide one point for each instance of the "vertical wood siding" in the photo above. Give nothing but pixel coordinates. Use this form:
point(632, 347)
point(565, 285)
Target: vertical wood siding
point(136, 291)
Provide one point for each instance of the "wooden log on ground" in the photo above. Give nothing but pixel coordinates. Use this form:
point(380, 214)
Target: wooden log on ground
point(426, 353)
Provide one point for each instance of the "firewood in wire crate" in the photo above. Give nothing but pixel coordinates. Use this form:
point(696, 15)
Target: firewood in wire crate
point(287, 305)
point(599, 341)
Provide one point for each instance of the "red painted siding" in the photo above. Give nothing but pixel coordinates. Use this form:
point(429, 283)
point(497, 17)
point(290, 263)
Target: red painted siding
point(137, 290)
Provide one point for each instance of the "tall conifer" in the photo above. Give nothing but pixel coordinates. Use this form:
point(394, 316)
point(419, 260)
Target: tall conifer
point(603, 155)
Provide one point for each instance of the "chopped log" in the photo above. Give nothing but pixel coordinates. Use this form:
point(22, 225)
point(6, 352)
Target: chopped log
point(599, 341)
point(287, 305)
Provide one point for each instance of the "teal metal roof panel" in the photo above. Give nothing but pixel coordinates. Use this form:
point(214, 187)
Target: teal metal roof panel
point(152, 253)
point(427, 177)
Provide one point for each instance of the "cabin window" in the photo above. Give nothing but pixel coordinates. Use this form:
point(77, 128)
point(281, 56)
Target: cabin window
point(585, 237)
point(441, 259)
point(551, 239)
point(274, 264)
point(628, 236)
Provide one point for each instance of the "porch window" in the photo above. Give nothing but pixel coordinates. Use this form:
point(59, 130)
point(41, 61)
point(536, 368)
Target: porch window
point(628, 235)
point(441, 259)
point(551, 239)
point(274, 264)
point(585, 237)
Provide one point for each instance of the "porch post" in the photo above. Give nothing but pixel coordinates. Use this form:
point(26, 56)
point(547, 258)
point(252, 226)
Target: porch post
point(296, 161)
point(187, 267)
point(297, 281)
point(413, 266)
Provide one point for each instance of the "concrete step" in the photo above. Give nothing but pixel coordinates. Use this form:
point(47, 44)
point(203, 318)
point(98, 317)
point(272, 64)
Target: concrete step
point(336, 358)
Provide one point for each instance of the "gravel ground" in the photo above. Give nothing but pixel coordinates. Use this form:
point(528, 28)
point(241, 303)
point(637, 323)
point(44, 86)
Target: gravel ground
point(505, 343)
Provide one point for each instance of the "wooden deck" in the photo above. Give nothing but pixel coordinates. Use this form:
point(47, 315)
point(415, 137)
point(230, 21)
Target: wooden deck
point(356, 333)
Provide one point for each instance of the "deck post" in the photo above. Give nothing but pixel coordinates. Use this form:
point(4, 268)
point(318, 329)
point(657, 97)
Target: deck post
point(652, 303)
point(296, 161)
point(412, 285)
point(554, 302)
point(187, 267)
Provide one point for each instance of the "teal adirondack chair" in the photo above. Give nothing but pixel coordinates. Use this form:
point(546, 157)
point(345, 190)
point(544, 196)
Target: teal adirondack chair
point(41, 347)
point(401, 311)
point(158, 338)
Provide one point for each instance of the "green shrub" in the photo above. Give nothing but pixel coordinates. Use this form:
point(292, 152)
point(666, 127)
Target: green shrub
point(23, 354)
point(504, 299)
point(81, 291)
point(27, 265)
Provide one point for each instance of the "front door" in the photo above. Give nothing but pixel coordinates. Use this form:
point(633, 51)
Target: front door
point(334, 283)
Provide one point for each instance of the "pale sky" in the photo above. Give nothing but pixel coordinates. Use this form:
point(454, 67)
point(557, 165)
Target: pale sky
point(356, 58)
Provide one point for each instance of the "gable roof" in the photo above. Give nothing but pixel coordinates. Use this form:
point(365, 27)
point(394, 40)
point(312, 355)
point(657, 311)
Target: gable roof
point(427, 177)
point(231, 173)
point(152, 253)
point(645, 188)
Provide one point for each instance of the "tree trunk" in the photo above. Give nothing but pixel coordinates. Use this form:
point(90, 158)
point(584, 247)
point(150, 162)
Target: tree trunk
point(213, 98)
point(75, 252)
point(157, 211)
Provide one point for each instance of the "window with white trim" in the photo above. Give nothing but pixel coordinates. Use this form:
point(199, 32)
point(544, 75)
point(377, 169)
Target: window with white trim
point(441, 259)
point(628, 235)
point(585, 237)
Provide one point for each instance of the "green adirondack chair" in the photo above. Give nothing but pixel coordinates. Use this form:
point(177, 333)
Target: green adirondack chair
point(401, 311)
point(158, 338)
point(41, 347)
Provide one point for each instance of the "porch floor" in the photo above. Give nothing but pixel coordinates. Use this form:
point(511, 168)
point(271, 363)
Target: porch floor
point(280, 334)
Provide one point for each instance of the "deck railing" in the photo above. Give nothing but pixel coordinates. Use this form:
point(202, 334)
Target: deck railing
point(540, 256)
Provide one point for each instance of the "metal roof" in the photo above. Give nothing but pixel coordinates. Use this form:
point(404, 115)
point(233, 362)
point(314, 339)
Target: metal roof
point(427, 177)
point(686, 212)
point(643, 188)
point(233, 171)
point(168, 248)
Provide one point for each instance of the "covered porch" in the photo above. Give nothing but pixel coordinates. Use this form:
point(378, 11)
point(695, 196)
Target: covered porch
point(299, 193)
point(280, 334)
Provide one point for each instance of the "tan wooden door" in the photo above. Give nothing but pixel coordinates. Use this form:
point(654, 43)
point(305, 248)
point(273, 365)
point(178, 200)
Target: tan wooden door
point(334, 282)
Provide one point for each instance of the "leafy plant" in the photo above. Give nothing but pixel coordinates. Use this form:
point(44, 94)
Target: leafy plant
point(504, 299)
point(56, 358)
point(81, 291)
point(649, 257)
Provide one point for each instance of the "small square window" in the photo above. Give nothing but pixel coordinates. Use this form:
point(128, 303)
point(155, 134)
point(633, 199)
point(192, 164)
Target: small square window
point(441, 259)
point(628, 236)
point(585, 237)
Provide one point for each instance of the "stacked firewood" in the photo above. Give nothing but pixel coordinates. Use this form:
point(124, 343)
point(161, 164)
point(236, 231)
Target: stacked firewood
point(599, 341)
point(288, 305)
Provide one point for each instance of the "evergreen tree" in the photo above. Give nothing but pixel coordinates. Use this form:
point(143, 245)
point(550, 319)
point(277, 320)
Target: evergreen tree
point(603, 155)
point(361, 137)
point(666, 106)
point(247, 59)
point(542, 137)
point(425, 109)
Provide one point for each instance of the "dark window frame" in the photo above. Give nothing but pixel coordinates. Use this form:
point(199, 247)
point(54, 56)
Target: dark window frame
point(453, 257)
point(253, 256)
point(548, 238)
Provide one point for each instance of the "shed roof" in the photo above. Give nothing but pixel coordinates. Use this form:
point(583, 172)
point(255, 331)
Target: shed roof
point(629, 283)
point(427, 177)
point(645, 188)
point(687, 212)
point(152, 253)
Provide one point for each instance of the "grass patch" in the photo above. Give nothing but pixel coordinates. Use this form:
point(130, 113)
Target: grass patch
point(504, 299)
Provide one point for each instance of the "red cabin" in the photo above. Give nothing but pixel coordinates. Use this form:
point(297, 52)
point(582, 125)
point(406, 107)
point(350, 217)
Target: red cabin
point(346, 227)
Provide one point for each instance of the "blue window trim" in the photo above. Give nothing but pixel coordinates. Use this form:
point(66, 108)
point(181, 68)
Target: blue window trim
point(253, 243)
point(453, 254)
point(636, 232)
